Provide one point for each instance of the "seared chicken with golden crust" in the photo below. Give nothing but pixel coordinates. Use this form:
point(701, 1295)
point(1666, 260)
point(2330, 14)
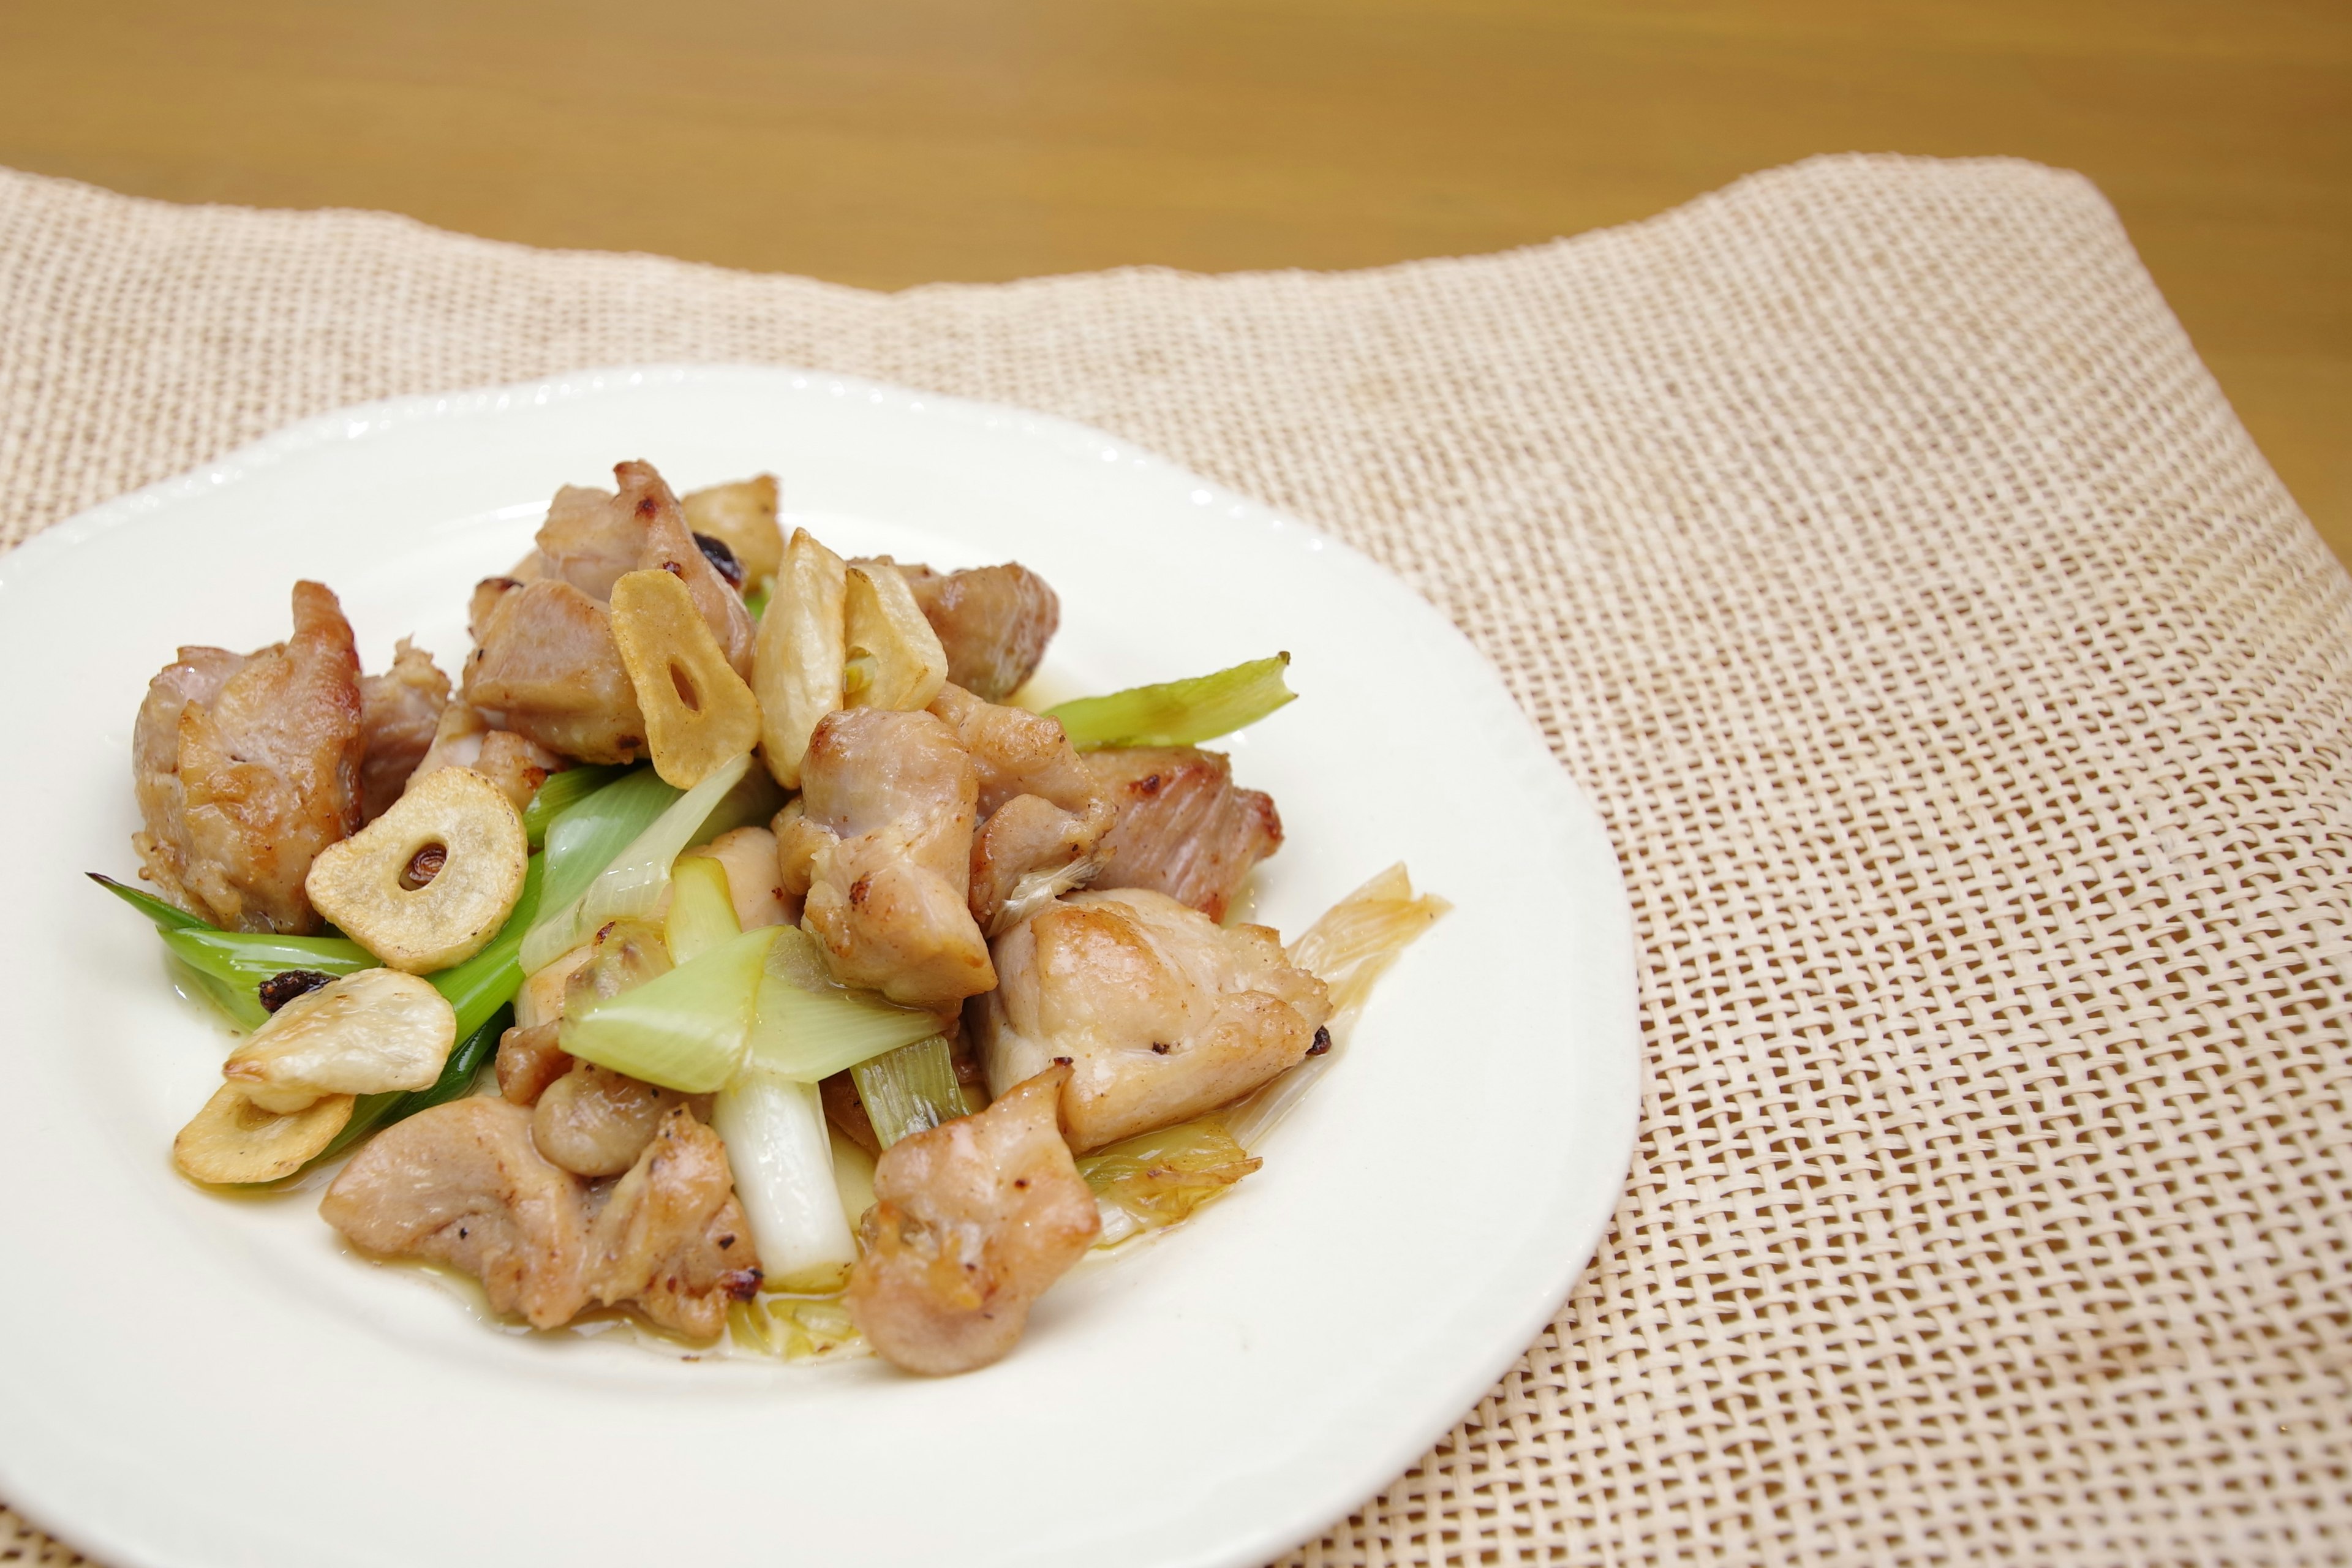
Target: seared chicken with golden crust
point(463, 1183)
point(544, 664)
point(1042, 811)
point(993, 621)
point(1161, 1013)
point(971, 1221)
point(400, 713)
point(247, 766)
point(1183, 828)
point(883, 851)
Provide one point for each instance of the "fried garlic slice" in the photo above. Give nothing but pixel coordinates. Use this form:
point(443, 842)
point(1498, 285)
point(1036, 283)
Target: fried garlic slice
point(893, 657)
point(232, 1140)
point(698, 713)
point(428, 883)
point(796, 662)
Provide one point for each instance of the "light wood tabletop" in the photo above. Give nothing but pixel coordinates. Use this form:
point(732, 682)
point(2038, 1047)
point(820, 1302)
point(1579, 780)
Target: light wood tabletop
point(888, 142)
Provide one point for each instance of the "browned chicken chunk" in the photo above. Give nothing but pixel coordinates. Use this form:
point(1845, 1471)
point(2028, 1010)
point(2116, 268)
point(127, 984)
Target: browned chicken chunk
point(670, 1237)
point(971, 1221)
point(1042, 811)
point(883, 851)
point(544, 664)
point(531, 1058)
point(1183, 828)
point(464, 738)
point(246, 767)
point(463, 1183)
point(993, 621)
point(1161, 1013)
point(400, 713)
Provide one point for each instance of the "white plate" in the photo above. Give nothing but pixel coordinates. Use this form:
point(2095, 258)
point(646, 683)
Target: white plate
point(192, 1381)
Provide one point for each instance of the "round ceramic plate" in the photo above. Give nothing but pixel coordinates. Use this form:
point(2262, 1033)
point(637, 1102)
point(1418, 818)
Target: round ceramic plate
point(193, 1381)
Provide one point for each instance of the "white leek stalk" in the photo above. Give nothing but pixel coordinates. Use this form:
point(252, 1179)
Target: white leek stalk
point(782, 1155)
point(632, 884)
point(701, 913)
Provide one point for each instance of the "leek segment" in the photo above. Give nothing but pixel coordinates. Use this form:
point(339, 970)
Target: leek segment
point(1156, 1179)
point(702, 914)
point(584, 891)
point(686, 1030)
point(810, 1028)
point(230, 967)
point(782, 1153)
point(1178, 712)
point(910, 1089)
point(559, 794)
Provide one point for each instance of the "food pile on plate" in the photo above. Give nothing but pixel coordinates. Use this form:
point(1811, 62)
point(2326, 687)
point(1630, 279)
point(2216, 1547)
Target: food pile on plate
point(725, 867)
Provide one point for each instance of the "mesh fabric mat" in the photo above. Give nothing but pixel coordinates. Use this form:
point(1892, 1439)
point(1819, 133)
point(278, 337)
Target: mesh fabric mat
point(1968, 703)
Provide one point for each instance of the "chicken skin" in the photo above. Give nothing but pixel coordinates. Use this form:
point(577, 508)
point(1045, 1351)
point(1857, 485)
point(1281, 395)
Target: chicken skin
point(1042, 810)
point(1181, 827)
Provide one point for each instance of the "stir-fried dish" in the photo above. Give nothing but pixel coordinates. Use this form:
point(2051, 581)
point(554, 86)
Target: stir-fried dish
point(724, 943)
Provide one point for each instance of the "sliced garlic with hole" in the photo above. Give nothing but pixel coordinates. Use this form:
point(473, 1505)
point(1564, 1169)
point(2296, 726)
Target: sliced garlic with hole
point(381, 887)
point(234, 1141)
point(698, 713)
point(367, 1033)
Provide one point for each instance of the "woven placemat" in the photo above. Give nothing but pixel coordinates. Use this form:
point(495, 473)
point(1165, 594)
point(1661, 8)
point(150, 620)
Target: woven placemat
point(1968, 704)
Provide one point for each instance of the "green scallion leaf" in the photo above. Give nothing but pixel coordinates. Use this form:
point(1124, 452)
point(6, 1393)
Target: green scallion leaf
point(685, 1029)
point(560, 794)
point(1178, 712)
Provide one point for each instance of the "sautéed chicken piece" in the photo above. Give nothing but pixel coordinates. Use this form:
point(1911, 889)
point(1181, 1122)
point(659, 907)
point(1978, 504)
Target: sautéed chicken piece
point(971, 1221)
point(594, 1121)
point(463, 1183)
point(400, 714)
point(882, 850)
point(993, 622)
point(246, 766)
point(464, 738)
point(1042, 811)
point(1181, 827)
point(1161, 1013)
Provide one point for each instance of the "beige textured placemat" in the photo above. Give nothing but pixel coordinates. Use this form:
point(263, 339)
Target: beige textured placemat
point(1968, 703)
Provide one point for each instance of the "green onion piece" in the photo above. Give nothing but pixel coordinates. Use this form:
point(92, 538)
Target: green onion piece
point(631, 883)
point(755, 798)
point(167, 917)
point(375, 1113)
point(583, 840)
point(782, 1155)
point(685, 1030)
point(559, 794)
point(910, 1089)
point(1178, 712)
point(756, 601)
point(701, 913)
point(809, 1027)
point(488, 981)
point(1158, 1178)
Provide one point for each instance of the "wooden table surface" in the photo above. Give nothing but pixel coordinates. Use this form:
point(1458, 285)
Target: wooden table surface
point(887, 142)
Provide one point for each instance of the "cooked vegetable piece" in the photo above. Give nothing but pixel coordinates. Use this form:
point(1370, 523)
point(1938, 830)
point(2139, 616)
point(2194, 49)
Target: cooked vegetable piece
point(559, 794)
point(233, 1141)
point(1347, 949)
point(972, 1220)
point(892, 657)
point(810, 1027)
point(686, 1030)
point(910, 1089)
point(698, 712)
point(1178, 712)
point(586, 837)
point(702, 914)
point(373, 1113)
point(632, 883)
point(1155, 1180)
point(371, 1033)
point(782, 1153)
point(796, 660)
point(427, 884)
point(488, 981)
